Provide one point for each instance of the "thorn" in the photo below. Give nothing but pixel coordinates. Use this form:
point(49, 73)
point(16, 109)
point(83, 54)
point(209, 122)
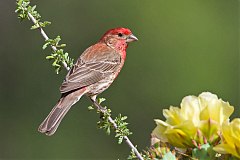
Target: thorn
point(199, 146)
point(205, 140)
point(199, 133)
point(194, 143)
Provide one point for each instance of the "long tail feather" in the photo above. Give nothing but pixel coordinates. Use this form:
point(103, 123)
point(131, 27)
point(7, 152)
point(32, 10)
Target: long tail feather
point(51, 123)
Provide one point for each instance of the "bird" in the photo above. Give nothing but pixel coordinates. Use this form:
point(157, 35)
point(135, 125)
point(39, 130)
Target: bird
point(93, 72)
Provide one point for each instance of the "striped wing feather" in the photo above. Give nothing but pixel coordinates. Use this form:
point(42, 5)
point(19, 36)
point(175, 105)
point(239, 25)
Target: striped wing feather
point(93, 65)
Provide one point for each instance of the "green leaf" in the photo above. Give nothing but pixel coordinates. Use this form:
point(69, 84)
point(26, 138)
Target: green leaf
point(44, 24)
point(100, 100)
point(35, 26)
point(57, 70)
point(108, 131)
point(57, 40)
point(17, 10)
point(45, 46)
point(61, 45)
point(123, 118)
point(90, 108)
point(33, 8)
point(49, 57)
point(120, 139)
point(55, 63)
point(66, 55)
point(60, 52)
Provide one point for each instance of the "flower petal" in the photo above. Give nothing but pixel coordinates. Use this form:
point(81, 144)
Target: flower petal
point(159, 131)
point(190, 109)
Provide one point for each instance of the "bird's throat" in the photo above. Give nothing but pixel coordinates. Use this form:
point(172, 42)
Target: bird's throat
point(121, 47)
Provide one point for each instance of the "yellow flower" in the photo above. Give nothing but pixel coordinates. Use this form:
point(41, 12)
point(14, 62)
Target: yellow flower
point(198, 118)
point(231, 138)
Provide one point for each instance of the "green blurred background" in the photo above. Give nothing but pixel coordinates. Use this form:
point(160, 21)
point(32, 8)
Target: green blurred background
point(184, 47)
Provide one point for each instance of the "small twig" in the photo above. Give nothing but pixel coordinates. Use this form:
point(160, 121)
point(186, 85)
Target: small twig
point(46, 38)
point(127, 140)
point(96, 104)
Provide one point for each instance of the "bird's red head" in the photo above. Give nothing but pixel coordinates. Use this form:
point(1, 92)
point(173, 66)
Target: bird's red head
point(120, 34)
point(116, 31)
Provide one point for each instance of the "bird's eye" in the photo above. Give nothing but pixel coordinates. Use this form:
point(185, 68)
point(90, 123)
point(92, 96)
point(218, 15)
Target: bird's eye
point(120, 34)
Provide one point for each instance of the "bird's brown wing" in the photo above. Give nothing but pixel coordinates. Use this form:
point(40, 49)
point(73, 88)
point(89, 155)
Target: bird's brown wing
point(93, 65)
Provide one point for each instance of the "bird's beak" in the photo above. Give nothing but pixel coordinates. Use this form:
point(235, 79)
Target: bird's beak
point(131, 38)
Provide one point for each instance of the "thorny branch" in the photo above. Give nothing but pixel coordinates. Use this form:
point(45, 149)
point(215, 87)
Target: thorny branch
point(127, 140)
point(46, 38)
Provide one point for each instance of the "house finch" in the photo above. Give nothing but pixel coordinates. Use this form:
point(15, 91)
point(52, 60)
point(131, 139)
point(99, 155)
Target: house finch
point(94, 72)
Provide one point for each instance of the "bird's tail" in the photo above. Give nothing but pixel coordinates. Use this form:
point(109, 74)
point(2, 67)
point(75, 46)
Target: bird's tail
point(51, 123)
